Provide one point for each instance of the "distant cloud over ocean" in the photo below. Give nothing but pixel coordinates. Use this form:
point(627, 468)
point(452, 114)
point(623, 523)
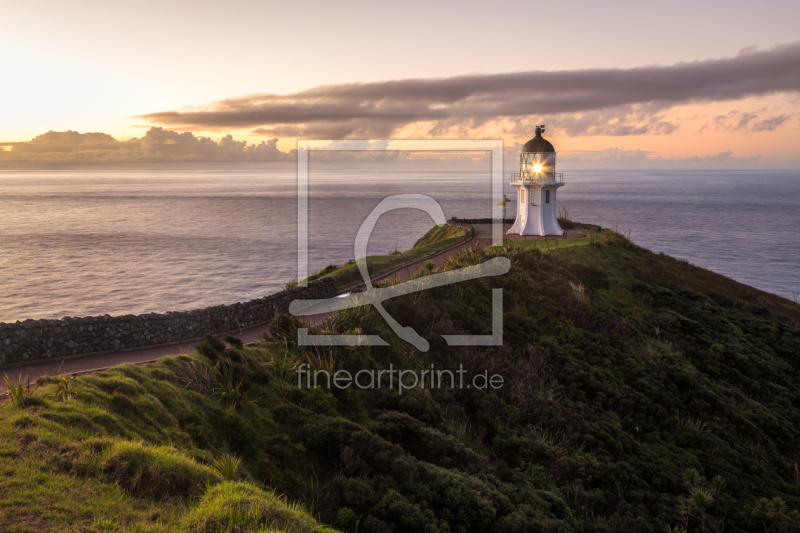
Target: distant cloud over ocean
point(157, 145)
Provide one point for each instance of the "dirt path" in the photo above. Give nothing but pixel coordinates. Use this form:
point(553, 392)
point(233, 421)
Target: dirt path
point(92, 363)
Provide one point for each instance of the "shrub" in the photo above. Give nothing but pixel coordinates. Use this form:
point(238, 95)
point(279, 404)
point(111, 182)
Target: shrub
point(283, 327)
point(563, 218)
point(537, 473)
point(234, 342)
point(282, 369)
point(565, 223)
point(20, 394)
point(211, 348)
point(197, 377)
point(242, 507)
point(320, 401)
point(347, 521)
point(158, 472)
point(215, 343)
point(231, 390)
point(66, 388)
point(229, 465)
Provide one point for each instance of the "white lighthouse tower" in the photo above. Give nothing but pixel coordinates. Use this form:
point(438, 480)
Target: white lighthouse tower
point(537, 185)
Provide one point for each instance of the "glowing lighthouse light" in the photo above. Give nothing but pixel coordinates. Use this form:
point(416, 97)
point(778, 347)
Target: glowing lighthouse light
point(537, 184)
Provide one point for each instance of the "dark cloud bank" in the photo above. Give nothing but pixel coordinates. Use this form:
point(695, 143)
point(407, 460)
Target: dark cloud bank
point(582, 102)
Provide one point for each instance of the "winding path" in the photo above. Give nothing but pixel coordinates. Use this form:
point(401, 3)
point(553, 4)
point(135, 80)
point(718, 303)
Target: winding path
point(92, 363)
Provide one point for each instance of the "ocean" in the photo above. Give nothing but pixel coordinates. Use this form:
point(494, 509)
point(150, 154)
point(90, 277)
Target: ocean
point(80, 243)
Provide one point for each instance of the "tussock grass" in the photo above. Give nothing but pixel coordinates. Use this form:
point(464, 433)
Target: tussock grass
point(157, 472)
point(242, 507)
point(228, 465)
point(622, 368)
point(20, 393)
point(132, 450)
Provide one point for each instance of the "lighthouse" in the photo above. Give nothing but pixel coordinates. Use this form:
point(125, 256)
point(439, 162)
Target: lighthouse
point(537, 186)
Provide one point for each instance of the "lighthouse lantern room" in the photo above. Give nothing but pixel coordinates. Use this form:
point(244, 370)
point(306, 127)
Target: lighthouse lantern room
point(537, 186)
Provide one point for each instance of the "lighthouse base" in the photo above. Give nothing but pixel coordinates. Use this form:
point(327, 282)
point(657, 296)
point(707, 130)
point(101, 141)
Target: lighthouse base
point(536, 210)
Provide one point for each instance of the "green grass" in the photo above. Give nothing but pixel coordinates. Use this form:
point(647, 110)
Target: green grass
point(439, 237)
point(550, 244)
point(439, 233)
point(132, 450)
point(624, 370)
point(235, 506)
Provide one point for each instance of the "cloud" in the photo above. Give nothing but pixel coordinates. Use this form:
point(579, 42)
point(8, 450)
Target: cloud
point(616, 157)
point(156, 146)
point(748, 122)
point(65, 142)
point(588, 102)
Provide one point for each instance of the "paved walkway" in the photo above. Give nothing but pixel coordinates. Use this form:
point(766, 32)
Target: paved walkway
point(91, 363)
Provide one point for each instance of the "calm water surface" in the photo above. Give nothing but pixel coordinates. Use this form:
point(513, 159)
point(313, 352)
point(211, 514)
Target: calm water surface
point(77, 243)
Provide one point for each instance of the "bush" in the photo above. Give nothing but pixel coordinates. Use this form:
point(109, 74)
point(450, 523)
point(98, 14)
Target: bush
point(20, 394)
point(284, 327)
point(347, 521)
point(563, 218)
point(235, 342)
point(242, 507)
point(228, 465)
point(158, 472)
point(320, 401)
point(565, 223)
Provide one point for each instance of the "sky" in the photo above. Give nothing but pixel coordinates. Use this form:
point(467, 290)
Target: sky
point(617, 83)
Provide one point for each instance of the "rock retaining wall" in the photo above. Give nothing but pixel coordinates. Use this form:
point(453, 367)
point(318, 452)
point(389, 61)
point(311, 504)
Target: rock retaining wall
point(466, 221)
point(590, 227)
point(466, 227)
point(33, 340)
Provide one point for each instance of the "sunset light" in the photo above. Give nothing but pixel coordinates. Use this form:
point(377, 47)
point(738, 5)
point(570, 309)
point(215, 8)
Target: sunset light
point(400, 267)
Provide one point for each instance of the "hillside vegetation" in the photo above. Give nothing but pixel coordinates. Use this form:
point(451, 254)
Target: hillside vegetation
point(436, 239)
point(439, 233)
point(641, 394)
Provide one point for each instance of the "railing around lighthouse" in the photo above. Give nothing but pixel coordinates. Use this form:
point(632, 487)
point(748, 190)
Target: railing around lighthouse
point(542, 177)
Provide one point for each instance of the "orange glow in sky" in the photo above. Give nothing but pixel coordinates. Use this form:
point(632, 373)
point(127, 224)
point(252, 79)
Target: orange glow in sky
point(95, 66)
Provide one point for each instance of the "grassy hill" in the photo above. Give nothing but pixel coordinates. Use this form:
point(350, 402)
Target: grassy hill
point(439, 233)
point(436, 239)
point(641, 394)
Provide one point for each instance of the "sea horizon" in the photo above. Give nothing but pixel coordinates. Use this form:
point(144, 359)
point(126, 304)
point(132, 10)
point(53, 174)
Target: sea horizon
point(134, 241)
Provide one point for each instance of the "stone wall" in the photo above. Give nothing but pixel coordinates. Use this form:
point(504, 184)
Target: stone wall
point(454, 222)
point(467, 221)
point(33, 340)
point(590, 227)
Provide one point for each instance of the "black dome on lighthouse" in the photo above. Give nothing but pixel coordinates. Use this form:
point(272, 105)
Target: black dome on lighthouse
point(538, 144)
